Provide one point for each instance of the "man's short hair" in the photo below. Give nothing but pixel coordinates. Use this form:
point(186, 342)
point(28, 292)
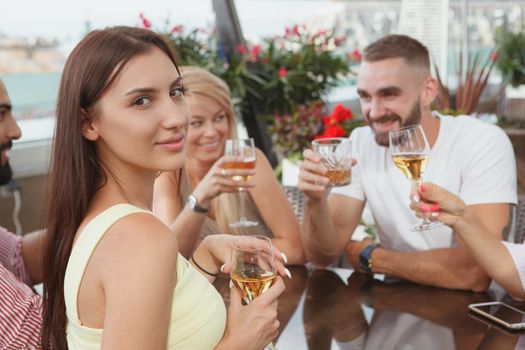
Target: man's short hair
point(398, 46)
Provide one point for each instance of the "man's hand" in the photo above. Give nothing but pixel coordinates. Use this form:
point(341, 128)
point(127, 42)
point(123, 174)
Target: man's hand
point(312, 180)
point(354, 248)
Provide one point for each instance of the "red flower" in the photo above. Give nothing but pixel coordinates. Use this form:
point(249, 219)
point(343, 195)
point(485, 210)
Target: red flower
point(356, 55)
point(494, 56)
point(283, 73)
point(334, 131)
point(341, 113)
point(254, 52)
point(241, 49)
point(295, 30)
point(177, 29)
point(145, 22)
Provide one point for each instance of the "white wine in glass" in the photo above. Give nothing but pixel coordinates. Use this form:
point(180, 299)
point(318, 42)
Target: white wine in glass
point(410, 153)
point(253, 268)
point(244, 149)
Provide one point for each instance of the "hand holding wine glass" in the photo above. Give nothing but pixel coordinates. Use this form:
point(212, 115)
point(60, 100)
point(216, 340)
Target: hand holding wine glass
point(253, 268)
point(218, 180)
point(410, 152)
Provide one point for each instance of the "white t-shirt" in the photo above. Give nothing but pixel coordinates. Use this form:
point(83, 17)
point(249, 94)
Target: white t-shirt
point(470, 158)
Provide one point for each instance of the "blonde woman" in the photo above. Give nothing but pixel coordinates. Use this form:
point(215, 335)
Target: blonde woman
point(203, 179)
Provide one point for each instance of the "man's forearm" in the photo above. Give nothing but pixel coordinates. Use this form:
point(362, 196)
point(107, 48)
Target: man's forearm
point(452, 268)
point(319, 234)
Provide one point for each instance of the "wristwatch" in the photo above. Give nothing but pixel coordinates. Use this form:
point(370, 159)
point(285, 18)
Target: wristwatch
point(193, 204)
point(365, 257)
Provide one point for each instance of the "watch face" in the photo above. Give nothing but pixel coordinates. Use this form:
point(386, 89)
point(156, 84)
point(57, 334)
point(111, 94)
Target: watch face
point(192, 201)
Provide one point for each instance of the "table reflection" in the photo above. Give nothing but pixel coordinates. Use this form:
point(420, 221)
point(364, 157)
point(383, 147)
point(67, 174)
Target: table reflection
point(326, 309)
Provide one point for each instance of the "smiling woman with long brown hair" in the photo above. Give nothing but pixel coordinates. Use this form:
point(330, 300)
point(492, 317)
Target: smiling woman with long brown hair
point(113, 276)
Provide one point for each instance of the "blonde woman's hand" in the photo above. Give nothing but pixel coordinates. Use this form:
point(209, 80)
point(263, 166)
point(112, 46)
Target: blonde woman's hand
point(437, 204)
point(255, 325)
point(219, 180)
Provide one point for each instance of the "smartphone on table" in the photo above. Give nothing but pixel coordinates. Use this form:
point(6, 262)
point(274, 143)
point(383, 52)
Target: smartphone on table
point(505, 315)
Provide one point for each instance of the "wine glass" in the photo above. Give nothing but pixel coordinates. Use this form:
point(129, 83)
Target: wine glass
point(245, 149)
point(410, 153)
point(253, 268)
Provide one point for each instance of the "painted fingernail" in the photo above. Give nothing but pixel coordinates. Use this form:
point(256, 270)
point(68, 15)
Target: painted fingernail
point(434, 207)
point(285, 258)
point(424, 207)
point(287, 272)
point(231, 284)
point(222, 267)
point(422, 188)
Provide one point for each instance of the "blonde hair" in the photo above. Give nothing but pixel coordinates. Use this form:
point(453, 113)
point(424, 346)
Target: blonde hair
point(198, 81)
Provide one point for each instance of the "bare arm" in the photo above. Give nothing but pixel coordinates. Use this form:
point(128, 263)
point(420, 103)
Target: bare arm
point(167, 207)
point(184, 222)
point(138, 279)
point(328, 220)
point(276, 211)
point(454, 268)
point(32, 253)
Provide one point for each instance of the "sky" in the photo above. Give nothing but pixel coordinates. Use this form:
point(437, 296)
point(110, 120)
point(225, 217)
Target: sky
point(67, 20)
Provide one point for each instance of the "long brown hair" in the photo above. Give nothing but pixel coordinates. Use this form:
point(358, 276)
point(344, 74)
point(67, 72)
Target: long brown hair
point(75, 172)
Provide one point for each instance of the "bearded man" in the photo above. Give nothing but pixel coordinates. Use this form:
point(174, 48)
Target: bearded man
point(468, 157)
point(20, 258)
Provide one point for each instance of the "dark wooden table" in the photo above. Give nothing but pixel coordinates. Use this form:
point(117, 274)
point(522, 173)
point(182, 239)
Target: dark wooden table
point(338, 309)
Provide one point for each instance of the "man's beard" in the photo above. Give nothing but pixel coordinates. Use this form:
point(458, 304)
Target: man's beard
point(6, 173)
point(414, 117)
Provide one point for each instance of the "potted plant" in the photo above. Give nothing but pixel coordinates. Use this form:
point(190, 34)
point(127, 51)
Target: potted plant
point(511, 56)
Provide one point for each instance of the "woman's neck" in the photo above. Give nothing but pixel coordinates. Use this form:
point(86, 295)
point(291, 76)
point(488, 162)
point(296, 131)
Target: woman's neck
point(135, 188)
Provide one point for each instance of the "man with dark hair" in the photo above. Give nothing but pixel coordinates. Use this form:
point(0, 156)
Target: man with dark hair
point(20, 307)
point(468, 157)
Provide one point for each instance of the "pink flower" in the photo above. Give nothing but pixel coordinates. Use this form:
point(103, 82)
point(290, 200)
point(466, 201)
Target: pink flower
point(254, 52)
point(338, 40)
point(241, 49)
point(145, 22)
point(295, 30)
point(177, 29)
point(283, 73)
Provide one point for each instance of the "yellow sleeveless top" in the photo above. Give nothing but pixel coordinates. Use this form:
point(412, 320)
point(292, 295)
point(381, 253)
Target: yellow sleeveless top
point(198, 314)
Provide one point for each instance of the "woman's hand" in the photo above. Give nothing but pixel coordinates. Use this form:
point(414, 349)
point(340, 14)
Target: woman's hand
point(220, 180)
point(255, 325)
point(220, 246)
point(437, 204)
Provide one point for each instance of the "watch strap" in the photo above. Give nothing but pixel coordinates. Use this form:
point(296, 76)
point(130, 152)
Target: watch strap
point(365, 257)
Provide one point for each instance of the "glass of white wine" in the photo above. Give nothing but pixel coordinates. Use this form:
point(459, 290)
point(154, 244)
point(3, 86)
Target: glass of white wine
point(253, 268)
point(245, 149)
point(410, 152)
